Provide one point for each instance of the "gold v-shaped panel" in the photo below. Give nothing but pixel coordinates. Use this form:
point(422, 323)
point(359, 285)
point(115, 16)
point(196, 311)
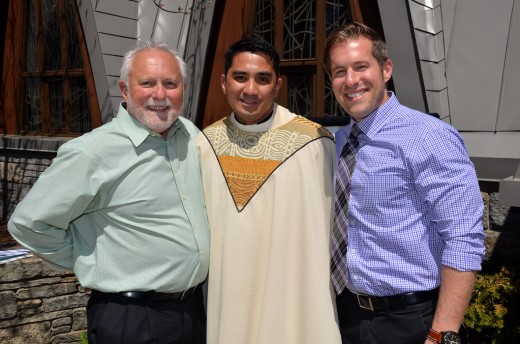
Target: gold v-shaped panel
point(247, 159)
point(244, 176)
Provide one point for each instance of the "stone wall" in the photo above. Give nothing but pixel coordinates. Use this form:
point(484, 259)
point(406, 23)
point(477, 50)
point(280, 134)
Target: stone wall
point(39, 305)
point(502, 227)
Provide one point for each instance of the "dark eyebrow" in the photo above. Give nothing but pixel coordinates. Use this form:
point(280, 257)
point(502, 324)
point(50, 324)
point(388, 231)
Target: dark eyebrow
point(265, 74)
point(239, 73)
point(258, 74)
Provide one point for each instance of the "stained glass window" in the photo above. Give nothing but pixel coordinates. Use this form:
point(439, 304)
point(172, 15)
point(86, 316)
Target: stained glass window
point(299, 36)
point(264, 19)
point(298, 30)
point(300, 92)
point(55, 90)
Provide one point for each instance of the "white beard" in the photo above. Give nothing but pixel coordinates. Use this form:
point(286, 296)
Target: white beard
point(158, 121)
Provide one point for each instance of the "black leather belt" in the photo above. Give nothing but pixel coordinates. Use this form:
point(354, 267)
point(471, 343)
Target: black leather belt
point(394, 302)
point(153, 295)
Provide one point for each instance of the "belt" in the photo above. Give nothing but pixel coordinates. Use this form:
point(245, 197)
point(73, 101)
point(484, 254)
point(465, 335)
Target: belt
point(394, 302)
point(153, 295)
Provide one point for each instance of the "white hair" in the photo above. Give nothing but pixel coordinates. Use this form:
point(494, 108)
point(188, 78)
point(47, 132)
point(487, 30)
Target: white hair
point(130, 55)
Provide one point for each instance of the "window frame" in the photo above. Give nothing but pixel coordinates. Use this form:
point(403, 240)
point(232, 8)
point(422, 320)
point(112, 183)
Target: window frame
point(13, 74)
point(319, 76)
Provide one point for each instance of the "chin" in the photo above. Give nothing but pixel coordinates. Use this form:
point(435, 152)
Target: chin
point(158, 124)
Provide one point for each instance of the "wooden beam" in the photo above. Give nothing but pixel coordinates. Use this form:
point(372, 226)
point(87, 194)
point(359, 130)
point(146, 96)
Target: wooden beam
point(231, 30)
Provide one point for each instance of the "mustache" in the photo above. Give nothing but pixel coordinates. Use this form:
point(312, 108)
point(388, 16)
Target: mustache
point(161, 103)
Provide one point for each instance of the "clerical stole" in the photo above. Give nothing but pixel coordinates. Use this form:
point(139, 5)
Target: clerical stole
point(247, 158)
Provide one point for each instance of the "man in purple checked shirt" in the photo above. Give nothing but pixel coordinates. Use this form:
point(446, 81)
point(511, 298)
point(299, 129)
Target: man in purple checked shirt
point(408, 238)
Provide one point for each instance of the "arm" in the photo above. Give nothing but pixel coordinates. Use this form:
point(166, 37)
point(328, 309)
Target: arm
point(41, 220)
point(454, 298)
point(456, 212)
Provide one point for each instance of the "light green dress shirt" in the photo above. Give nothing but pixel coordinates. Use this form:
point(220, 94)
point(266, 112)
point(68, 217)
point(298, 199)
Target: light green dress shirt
point(121, 207)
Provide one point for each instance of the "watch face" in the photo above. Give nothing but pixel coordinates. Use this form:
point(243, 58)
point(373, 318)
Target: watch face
point(450, 338)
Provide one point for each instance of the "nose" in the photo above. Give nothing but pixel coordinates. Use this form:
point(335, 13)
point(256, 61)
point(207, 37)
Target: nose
point(351, 78)
point(250, 87)
point(159, 92)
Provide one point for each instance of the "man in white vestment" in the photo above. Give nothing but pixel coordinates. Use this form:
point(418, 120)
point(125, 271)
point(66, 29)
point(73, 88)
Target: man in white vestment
point(267, 176)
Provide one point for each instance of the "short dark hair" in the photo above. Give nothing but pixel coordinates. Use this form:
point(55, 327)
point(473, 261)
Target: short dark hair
point(352, 31)
point(253, 45)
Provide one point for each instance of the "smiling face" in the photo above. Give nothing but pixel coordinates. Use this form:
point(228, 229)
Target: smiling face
point(250, 87)
point(154, 93)
point(358, 81)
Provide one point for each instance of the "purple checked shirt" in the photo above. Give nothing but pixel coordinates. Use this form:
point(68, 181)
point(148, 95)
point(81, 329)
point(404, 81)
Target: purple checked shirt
point(415, 203)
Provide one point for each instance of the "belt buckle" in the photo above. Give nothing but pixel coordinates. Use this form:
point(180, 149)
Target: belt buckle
point(365, 302)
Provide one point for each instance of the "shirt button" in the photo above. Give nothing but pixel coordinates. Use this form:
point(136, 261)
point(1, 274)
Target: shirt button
point(175, 170)
point(184, 197)
point(194, 225)
point(355, 278)
point(202, 253)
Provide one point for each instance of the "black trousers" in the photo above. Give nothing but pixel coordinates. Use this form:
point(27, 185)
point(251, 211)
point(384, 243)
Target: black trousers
point(360, 326)
point(114, 319)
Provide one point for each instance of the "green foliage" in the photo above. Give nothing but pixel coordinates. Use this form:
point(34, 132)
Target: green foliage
point(83, 337)
point(491, 316)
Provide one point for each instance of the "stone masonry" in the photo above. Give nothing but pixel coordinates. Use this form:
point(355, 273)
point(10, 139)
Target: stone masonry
point(39, 305)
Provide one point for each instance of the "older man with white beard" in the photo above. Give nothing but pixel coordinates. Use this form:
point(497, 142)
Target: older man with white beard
point(123, 208)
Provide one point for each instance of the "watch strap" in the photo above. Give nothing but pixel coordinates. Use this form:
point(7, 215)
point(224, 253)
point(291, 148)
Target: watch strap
point(434, 336)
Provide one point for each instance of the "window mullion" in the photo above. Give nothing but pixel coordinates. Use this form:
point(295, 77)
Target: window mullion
point(44, 89)
point(45, 106)
point(64, 42)
point(278, 29)
point(356, 11)
point(319, 86)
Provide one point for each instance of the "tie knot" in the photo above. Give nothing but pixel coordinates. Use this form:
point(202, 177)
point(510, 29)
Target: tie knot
point(354, 131)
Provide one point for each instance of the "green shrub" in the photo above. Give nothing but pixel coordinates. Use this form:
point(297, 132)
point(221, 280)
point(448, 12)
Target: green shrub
point(84, 339)
point(492, 313)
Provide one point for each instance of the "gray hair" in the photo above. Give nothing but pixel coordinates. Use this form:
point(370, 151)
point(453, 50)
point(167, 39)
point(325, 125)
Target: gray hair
point(130, 55)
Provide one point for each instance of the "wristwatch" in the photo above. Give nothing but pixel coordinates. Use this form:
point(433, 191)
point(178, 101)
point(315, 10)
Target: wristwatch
point(448, 337)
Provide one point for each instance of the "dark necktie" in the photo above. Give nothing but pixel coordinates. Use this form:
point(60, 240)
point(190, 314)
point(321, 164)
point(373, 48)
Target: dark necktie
point(345, 167)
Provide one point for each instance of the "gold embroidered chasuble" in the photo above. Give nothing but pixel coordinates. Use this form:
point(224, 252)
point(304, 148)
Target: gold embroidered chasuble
point(268, 196)
point(247, 159)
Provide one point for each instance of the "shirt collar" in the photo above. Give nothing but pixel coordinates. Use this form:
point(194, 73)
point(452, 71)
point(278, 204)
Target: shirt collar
point(138, 132)
point(371, 124)
point(178, 125)
point(261, 127)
